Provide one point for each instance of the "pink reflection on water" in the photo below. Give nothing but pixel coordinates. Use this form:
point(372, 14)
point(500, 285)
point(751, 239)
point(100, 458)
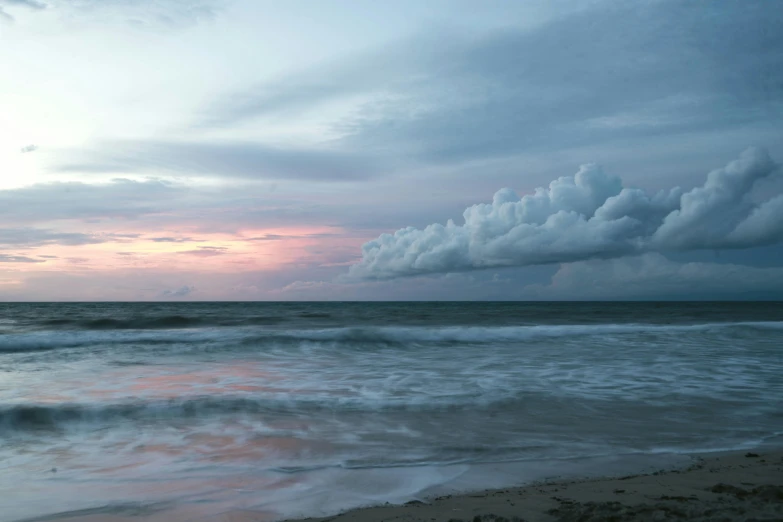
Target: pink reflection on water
point(236, 378)
point(150, 462)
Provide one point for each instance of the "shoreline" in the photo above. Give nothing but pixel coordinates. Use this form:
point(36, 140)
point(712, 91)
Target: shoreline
point(719, 486)
point(727, 485)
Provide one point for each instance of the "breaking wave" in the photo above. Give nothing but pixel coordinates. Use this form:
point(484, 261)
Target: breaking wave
point(169, 322)
point(23, 417)
point(389, 336)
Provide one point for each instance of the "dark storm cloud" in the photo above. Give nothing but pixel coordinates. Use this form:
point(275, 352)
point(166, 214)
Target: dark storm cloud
point(618, 70)
point(232, 159)
point(590, 215)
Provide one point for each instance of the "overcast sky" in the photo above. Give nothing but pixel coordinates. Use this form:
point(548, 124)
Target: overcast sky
point(346, 149)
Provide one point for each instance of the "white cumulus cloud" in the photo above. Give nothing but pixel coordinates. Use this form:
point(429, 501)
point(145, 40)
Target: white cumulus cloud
point(586, 216)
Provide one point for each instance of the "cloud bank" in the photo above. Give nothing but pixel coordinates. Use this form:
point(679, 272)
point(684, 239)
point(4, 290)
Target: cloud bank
point(243, 160)
point(653, 276)
point(614, 71)
point(588, 216)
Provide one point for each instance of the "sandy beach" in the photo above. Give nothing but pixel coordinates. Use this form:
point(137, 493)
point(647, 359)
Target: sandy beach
point(731, 486)
point(722, 486)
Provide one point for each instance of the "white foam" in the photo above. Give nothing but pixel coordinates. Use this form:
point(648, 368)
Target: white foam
point(44, 340)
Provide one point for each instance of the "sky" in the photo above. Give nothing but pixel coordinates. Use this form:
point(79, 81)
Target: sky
point(354, 150)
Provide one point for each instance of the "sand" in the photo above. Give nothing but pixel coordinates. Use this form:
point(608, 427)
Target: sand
point(732, 486)
point(726, 486)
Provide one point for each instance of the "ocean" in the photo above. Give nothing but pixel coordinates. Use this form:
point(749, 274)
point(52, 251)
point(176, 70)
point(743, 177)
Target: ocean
point(301, 409)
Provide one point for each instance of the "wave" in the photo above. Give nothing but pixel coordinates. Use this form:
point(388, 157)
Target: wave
point(169, 322)
point(384, 336)
point(52, 340)
point(25, 417)
point(496, 334)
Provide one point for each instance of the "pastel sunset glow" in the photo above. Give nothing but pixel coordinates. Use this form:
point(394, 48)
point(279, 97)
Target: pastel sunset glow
point(350, 150)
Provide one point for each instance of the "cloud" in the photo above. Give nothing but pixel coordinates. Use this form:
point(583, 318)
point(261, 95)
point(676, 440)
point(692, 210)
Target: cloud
point(120, 198)
point(7, 258)
point(653, 276)
point(268, 237)
point(183, 291)
point(589, 215)
point(173, 240)
point(615, 71)
point(138, 12)
point(205, 251)
point(216, 159)
point(280, 237)
point(28, 148)
point(162, 210)
point(30, 4)
point(34, 237)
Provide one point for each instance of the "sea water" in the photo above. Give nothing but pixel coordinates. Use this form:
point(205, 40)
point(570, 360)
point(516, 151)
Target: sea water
point(301, 409)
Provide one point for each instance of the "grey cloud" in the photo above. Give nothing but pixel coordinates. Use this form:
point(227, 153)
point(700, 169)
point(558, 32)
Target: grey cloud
point(589, 215)
point(205, 251)
point(229, 159)
point(156, 205)
point(183, 291)
point(268, 237)
point(174, 240)
point(653, 276)
point(28, 148)
point(279, 237)
point(312, 88)
point(763, 223)
point(8, 258)
point(120, 198)
point(617, 70)
point(719, 214)
point(33, 237)
point(626, 70)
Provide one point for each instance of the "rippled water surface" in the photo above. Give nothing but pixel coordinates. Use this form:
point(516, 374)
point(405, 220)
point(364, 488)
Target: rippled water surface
point(304, 409)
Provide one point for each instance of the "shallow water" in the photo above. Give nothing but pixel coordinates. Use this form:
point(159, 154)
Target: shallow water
point(305, 409)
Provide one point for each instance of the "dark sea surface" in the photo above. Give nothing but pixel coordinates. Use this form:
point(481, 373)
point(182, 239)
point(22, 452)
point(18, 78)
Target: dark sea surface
point(300, 409)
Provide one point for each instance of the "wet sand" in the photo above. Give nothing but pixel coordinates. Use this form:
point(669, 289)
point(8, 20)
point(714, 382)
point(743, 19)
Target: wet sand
point(724, 486)
point(732, 486)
